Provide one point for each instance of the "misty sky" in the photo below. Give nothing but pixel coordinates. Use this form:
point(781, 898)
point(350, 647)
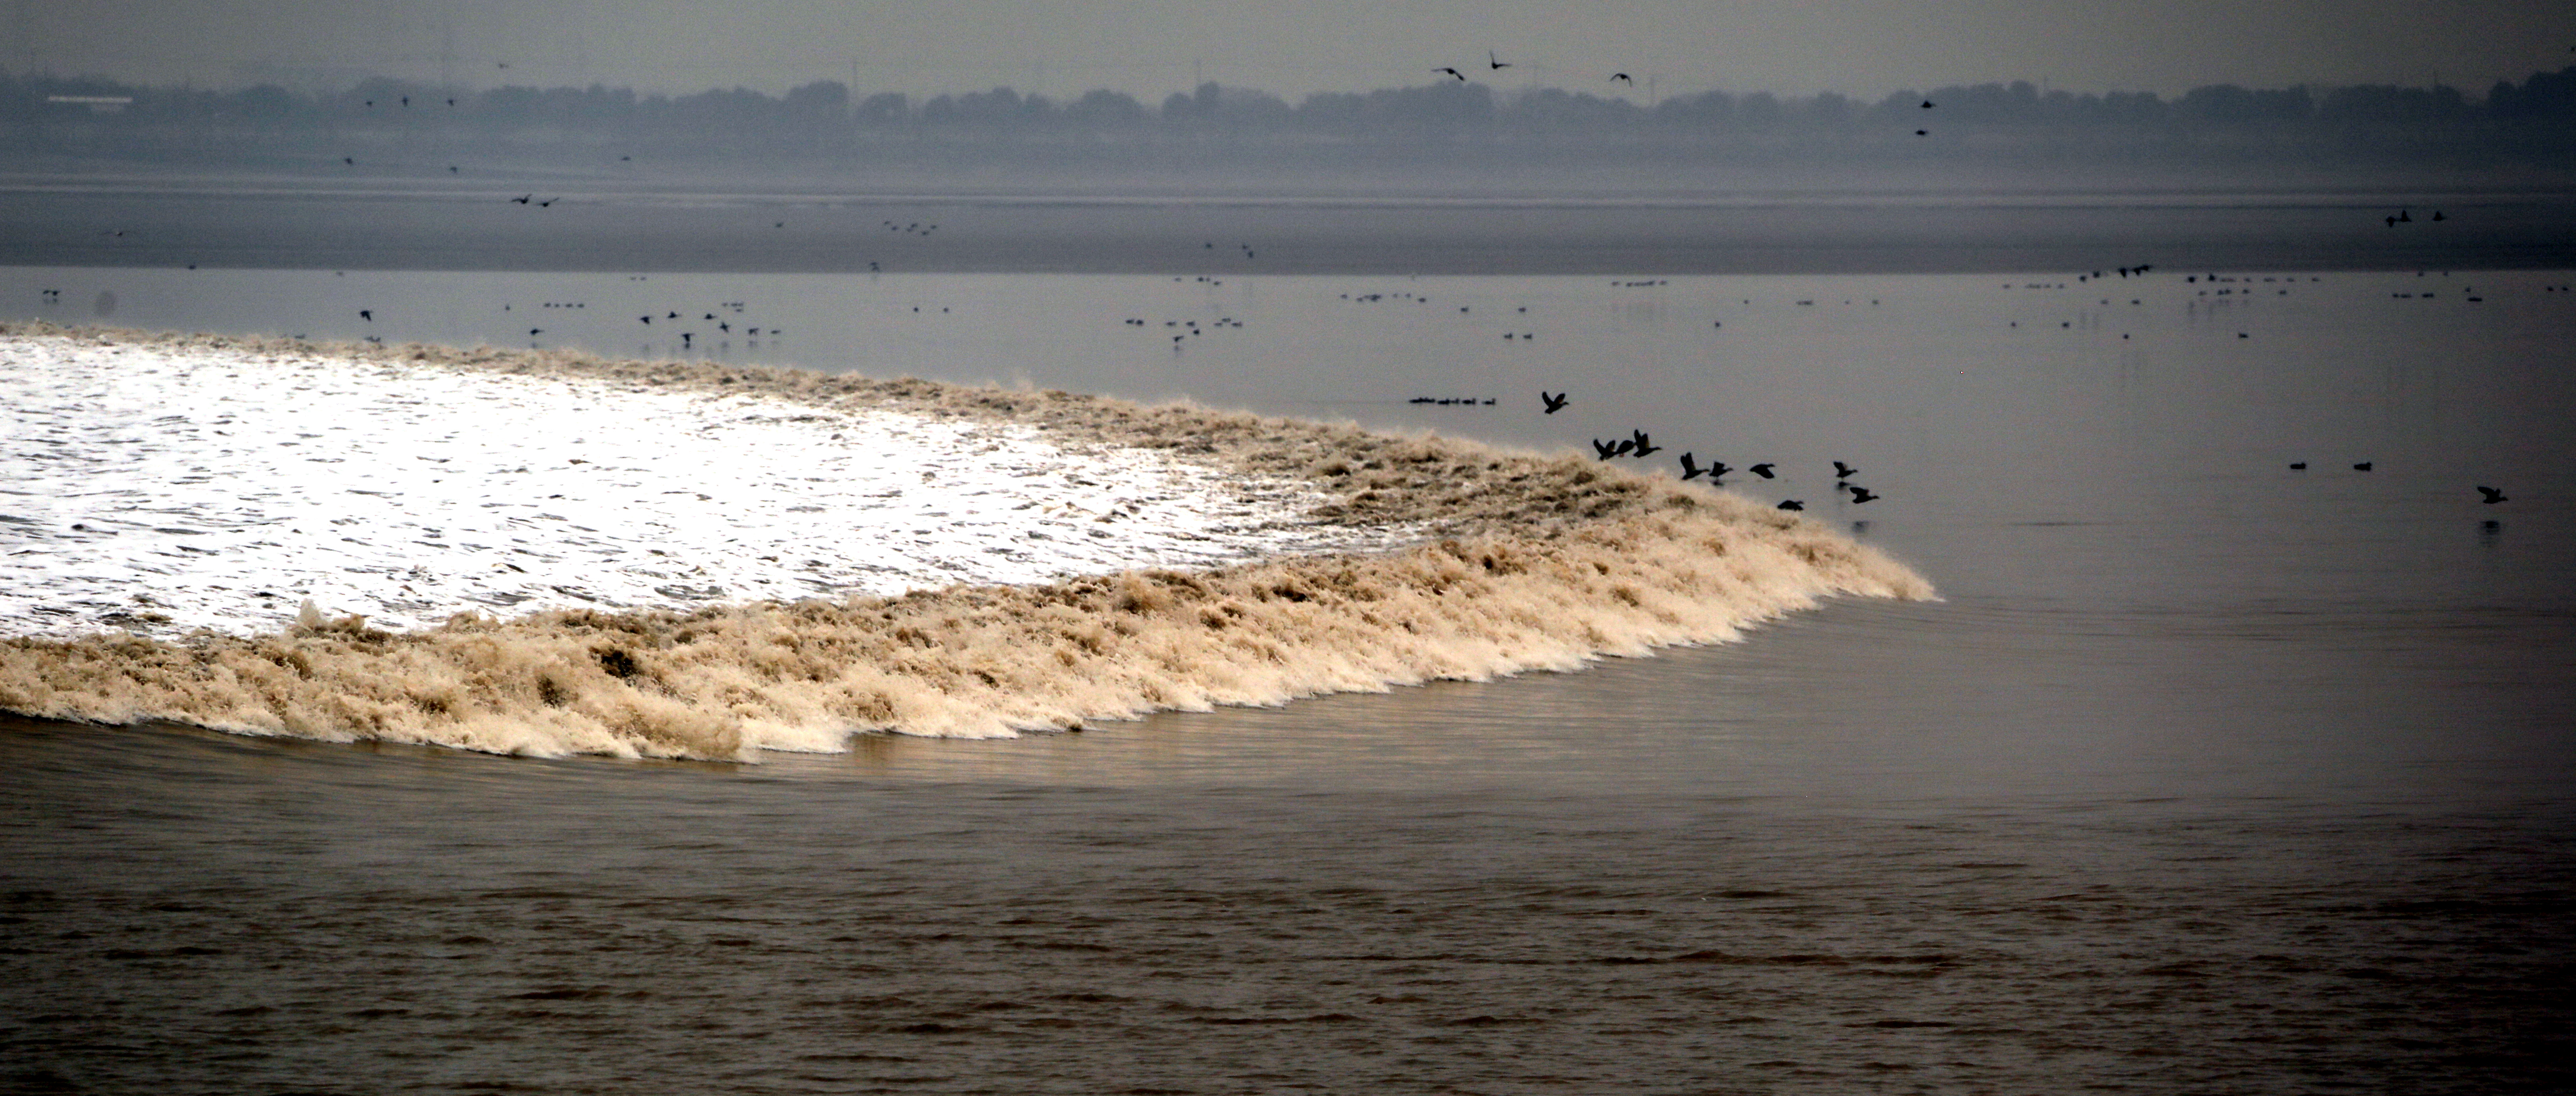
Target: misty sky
point(1152, 47)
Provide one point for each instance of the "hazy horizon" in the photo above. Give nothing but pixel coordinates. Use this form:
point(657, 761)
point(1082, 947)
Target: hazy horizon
point(1059, 48)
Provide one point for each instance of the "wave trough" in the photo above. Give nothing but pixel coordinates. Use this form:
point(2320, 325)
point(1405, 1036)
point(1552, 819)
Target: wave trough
point(1349, 561)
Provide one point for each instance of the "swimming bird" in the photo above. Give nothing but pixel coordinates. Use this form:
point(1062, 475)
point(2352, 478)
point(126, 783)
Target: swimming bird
point(1843, 471)
point(1499, 65)
point(2437, 215)
point(1927, 104)
point(1690, 468)
point(1453, 72)
point(1763, 470)
point(1554, 403)
point(1862, 494)
point(1792, 504)
point(2361, 467)
point(2493, 495)
point(1643, 446)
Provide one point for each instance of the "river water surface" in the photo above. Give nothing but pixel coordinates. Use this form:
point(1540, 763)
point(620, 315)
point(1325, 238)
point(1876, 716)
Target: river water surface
point(2205, 774)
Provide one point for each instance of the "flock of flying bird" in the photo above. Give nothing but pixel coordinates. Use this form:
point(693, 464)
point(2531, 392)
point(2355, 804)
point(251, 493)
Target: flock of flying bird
point(1638, 444)
point(1497, 64)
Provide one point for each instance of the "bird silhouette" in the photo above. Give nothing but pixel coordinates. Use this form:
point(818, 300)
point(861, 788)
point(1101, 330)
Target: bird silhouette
point(524, 199)
point(2493, 495)
point(2298, 466)
point(1862, 494)
point(1763, 470)
point(1690, 468)
point(1554, 403)
point(1717, 469)
point(367, 314)
point(1453, 72)
point(2437, 215)
point(2361, 467)
point(1843, 471)
point(1792, 504)
point(1621, 77)
point(1605, 449)
point(1927, 104)
point(647, 319)
point(1643, 446)
point(1499, 64)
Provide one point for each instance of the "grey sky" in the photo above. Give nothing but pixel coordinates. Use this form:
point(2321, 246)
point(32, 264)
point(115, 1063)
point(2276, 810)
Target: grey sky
point(1151, 47)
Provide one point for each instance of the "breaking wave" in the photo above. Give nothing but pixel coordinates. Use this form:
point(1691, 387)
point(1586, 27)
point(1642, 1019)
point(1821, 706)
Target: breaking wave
point(1509, 562)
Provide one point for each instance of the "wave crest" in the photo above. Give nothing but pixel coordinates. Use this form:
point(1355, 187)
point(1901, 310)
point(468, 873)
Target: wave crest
point(1543, 562)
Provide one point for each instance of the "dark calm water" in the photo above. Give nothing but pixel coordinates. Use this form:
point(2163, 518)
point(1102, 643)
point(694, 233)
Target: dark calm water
point(2207, 775)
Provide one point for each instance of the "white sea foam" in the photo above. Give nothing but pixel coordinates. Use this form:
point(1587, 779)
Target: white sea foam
point(161, 488)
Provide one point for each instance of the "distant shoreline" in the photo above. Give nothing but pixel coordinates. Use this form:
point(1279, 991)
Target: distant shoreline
point(302, 223)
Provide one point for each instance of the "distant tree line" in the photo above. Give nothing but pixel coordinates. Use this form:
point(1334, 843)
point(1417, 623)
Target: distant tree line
point(2531, 123)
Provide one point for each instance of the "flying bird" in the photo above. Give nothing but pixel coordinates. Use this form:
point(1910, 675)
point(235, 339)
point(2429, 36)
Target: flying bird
point(1862, 494)
point(1792, 504)
point(1690, 468)
point(1498, 64)
point(1643, 446)
point(367, 314)
point(524, 199)
point(1763, 470)
point(1844, 471)
point(1605, 449)
point(2493, 495)
point(1618, 77)
point(1453, 72)
point(1554, 403)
